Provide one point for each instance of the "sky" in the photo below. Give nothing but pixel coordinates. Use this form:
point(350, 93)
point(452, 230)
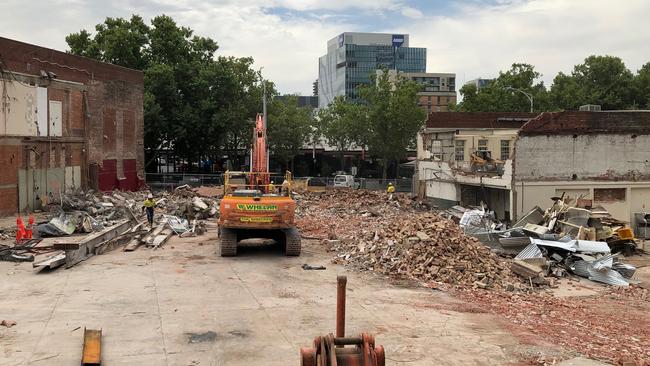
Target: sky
point(471, 38)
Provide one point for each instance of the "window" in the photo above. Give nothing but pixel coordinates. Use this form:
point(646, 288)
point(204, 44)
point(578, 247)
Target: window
point(609, 194)
point(482, 145)
point(505, 149)
point(438, 99)
point(436, 149)
point(460, 150)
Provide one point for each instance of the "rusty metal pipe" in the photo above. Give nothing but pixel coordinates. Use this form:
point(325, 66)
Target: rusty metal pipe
point(340, 306)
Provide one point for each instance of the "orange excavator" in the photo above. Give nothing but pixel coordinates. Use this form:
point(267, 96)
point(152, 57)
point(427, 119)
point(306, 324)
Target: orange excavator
point(253, 208)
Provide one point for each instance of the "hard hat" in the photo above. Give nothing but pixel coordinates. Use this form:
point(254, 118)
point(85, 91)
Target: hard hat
point(272, 182)
point(390, 184)
point(150, 195)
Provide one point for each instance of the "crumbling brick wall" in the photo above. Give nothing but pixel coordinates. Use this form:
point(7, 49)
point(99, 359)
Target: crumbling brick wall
point(97, 100)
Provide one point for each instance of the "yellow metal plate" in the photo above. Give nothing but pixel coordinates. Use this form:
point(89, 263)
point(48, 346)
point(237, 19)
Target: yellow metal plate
point(256, 219)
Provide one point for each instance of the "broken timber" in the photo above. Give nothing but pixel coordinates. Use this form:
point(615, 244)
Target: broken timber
point(161, 238)
point(76, 252)
point(92, 349)
point(53, 260)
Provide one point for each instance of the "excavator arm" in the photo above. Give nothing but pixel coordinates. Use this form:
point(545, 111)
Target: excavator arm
point(259, 158)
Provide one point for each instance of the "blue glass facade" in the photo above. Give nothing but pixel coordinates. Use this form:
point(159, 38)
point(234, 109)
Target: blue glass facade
point(362, 61)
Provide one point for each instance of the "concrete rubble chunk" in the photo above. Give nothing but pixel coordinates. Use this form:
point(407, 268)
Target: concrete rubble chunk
point(199, 203)
point(422, 236)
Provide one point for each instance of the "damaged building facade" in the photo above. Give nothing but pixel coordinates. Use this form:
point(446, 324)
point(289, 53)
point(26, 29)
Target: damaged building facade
point(602, 158)
point(66, 122)
point(516, 161)
point(449, 169)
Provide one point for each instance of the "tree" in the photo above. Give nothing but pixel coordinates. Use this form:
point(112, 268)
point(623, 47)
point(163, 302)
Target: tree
point(642, 87)
point(239, 117)
point(117, 41)
point(394, 117)
point(193, 103)
point(501, 96)
point(566, 93)
point(288, 128)
point(603, 80)
point(342, 124)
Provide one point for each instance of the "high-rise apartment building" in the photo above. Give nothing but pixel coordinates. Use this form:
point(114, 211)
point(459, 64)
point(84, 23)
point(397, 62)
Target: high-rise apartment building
point(437, 90)
point(352, 58)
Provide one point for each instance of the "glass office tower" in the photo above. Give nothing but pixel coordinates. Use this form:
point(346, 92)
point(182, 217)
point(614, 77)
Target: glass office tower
point(352, 58)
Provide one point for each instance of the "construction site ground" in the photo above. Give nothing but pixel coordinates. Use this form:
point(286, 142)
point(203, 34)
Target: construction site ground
point(185, 305)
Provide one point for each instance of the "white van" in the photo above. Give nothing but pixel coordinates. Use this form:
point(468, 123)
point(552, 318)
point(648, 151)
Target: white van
point(345, 181)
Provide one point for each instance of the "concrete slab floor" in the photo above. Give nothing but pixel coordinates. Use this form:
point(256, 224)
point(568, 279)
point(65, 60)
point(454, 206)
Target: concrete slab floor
point(185, 305)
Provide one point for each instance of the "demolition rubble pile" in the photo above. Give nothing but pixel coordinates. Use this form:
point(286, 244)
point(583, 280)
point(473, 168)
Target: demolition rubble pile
point(107, 208)
point(400, 238)
point(85, 223)
point(560, 241)
point(339, 213)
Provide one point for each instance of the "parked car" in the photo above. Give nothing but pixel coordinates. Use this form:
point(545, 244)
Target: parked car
point(345, 181)
point(316, 182)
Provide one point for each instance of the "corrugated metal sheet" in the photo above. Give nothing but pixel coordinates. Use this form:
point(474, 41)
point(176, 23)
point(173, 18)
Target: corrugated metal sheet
point(600, 271)
point(531, 251)
point(625, 269)
point(608, 276)
point(580, 268)
point(590, 246)
point(514, 242)
point(586, 246)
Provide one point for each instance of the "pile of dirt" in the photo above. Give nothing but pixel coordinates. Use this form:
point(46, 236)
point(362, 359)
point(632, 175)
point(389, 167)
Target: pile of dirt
point(399, 238)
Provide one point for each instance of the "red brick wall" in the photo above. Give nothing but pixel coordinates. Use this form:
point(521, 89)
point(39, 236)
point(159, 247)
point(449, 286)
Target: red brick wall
point(77, 117)
point(10, 161)
point(128, 130)
point(89, 115)
point(8, 201)
point(109, 132)
point(11, 157)
point(30, 59)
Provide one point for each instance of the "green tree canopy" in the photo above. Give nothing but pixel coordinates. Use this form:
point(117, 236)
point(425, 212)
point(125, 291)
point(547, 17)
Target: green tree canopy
point(343, 125)
point(194, 103)
point(500, 95)
point(288, 128)
point(393, 116)
point(642, 87)
point(603, 80)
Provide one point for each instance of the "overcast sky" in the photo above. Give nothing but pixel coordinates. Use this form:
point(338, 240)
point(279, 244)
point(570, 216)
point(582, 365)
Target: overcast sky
point(471, 38)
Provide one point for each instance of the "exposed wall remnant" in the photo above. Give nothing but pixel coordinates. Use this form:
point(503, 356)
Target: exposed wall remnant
point(598, 157)
point(52, 130)
point(603, 155)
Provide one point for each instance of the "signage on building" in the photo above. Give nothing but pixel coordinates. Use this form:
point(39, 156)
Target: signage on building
point(341, 40)
point(398, 40)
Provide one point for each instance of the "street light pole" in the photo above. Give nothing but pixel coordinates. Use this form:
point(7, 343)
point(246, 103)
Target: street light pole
point(529, 96)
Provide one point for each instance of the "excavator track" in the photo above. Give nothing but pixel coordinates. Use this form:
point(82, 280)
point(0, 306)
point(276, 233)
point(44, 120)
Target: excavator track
point(292, 243)
point(228, 242)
